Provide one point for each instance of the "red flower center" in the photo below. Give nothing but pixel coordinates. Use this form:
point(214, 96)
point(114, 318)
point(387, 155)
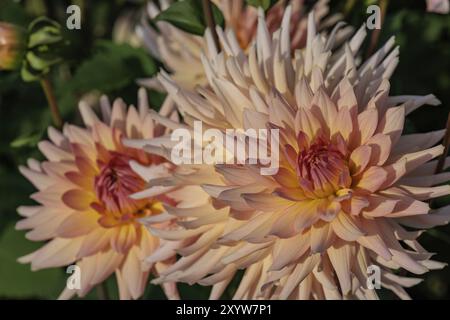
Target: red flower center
point(114, 186)
point(324, 166)
point(116, 182)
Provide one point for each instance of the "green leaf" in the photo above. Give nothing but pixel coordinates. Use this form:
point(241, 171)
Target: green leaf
point(17, 280)
point(27, 140)
point(146, 65)
point(188, 16)
point(13, 12)
point(112, 67)
point(265, 4)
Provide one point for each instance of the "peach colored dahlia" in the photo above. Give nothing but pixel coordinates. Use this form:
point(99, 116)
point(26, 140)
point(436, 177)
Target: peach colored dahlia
point(84, 209)
point(351, 190)
point(181, 51)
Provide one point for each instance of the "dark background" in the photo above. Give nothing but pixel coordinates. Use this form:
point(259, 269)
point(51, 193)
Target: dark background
point(95, 64)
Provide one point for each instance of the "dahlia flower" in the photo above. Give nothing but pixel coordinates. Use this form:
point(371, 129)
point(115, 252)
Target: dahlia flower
point(124, 29)
point(180, 51)
point(351, 191)
point(438, 6)
point(84, 209)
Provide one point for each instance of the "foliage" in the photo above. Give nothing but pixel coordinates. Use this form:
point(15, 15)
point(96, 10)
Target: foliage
point(187, 15)
point(18, 281)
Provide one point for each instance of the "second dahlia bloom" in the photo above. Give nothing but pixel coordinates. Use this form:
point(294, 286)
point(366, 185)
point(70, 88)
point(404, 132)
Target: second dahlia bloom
point(180, 51)
point(351, 191)
point(84, 209)
point(438, 6)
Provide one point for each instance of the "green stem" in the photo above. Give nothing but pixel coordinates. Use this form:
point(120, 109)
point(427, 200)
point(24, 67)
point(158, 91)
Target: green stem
point(209, 18)
point(50, 95)
point(102, 292)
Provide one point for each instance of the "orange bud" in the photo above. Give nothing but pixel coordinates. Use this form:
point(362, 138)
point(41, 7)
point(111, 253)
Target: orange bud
point(12, 46)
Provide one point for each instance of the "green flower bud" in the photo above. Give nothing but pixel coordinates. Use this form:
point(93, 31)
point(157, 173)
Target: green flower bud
point(45, 42)
point(34, 51)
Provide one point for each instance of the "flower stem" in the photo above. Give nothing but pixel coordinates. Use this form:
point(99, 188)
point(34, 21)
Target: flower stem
point(209, 18)
point(50, 95)
point(102, 292)
point(376, 33)
point(441, 162)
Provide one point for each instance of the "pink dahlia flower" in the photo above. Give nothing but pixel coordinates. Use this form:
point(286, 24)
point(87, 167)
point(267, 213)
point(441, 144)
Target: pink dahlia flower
point(438, 6)
point(84, 209)
point(351, 191)
point(181, 51)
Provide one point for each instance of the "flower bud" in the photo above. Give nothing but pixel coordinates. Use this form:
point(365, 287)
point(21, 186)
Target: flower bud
point(12, 46)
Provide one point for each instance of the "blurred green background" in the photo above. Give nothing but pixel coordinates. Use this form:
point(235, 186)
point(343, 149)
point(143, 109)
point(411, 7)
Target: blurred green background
point(99, 61)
